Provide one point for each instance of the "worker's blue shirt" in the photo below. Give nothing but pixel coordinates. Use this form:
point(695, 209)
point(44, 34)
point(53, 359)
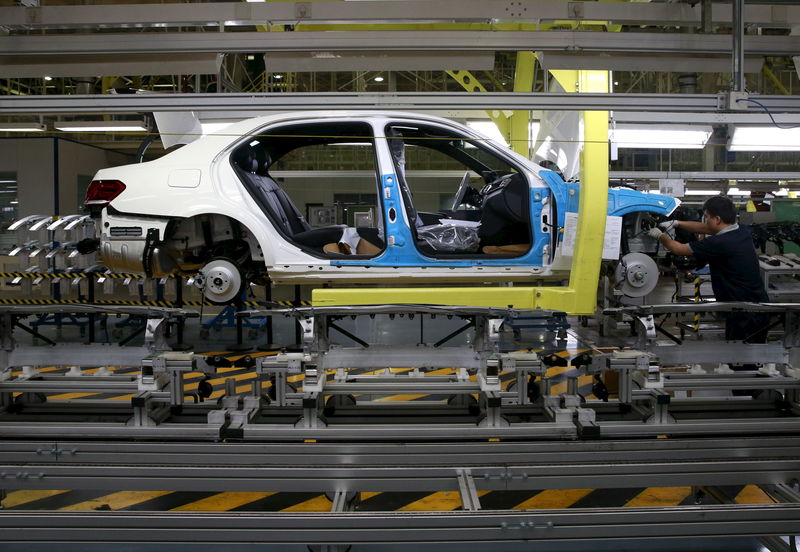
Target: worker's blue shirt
point(732, 258)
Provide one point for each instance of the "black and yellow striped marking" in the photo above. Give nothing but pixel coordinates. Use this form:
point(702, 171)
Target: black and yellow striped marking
point(267, 501)
point(133, 303)
point(71, 275)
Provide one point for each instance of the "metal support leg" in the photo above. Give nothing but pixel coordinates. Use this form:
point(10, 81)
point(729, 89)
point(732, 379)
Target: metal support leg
point(466, 487)
point(297, 331)
point(141, 406)
point(341, 501)
point(92, 316)
point(661, 415)
point(312, 405)
point(176, 390)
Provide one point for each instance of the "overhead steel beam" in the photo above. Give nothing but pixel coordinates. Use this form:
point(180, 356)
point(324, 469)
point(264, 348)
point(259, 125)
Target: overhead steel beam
point(398, 11)
point(439, 41)
point(141, 64)
point(753, 116)
point(439, 101)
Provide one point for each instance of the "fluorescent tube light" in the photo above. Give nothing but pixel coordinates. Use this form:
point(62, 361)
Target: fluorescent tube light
point(701, 192)
point(660, 137)
point(765, 138)
point(738, 192)
point(100, 126)
point(21, 127)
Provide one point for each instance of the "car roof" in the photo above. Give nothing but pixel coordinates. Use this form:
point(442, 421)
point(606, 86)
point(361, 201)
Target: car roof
point(213, 143)
point(247, 126)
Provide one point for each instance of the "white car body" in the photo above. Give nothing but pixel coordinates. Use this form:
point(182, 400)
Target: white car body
point(199, 182)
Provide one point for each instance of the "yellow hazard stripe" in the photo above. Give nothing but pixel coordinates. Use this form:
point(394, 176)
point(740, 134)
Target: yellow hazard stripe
point(116, 501)
point(222, 502)
point(54, 275)
point(659, 496)
point(16, 498)
point(116, 302)
point(553, 499)
point(437, 502)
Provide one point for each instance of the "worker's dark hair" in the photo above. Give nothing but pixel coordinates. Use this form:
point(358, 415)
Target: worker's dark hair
point(722, 207)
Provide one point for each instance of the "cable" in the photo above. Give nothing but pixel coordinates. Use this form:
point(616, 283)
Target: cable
point(762, 106)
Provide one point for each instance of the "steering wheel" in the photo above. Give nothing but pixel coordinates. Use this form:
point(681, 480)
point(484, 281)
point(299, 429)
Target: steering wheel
point(462, 191)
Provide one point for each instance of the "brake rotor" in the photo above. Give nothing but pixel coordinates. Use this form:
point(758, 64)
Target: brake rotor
point(637, 274)
point(220, 281)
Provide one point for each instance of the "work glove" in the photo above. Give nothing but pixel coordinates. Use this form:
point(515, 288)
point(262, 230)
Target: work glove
point(668, 225)
point(655, 233)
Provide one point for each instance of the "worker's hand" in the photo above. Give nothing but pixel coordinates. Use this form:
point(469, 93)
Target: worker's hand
point(655, 233)
point(668, 225)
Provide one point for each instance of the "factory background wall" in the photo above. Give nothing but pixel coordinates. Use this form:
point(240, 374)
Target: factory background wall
point(48, 171)
point(34, 162)
point(31, 160)
point(77, 164)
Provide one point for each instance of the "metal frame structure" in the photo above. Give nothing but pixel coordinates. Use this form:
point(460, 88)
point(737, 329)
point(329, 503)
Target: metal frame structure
point(155, 442)
point(493, 40)
point(344, 470)
point(646, 405)
point(533, 11)
point(441, 101)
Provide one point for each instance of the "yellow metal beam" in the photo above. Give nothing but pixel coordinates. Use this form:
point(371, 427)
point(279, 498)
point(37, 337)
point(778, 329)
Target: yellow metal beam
point(520, 120)
point(580, 296)
point(773, 78)
point(514, 128)
point(470, 83)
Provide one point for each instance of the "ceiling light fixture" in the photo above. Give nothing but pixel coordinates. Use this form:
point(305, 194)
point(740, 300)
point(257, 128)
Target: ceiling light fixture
point(765, 138)
point(660, 137)
point(21, 127)
point(100, 126)
point(378, 79)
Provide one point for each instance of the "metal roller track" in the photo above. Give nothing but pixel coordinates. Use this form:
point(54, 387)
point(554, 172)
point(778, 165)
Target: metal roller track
point(274, 102)
point(231, 529)
point(563, 475)
point(55, 45)
point(384, 468)
point(440, 432)
point(398, 454)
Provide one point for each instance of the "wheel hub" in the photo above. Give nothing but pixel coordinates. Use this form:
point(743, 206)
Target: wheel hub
point(637, 274)
point(220, 280)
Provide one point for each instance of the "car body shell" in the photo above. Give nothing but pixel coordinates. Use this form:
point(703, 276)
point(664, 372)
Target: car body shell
point(199, 179)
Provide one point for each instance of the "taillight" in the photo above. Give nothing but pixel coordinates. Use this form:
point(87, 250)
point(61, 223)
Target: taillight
point(101, 192)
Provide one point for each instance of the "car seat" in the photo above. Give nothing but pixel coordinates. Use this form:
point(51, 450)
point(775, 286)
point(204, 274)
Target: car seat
point(251, 164)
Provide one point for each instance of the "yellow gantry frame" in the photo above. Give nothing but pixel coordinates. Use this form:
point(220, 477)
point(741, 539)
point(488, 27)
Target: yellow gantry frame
point(580, 296)
point(514, 128)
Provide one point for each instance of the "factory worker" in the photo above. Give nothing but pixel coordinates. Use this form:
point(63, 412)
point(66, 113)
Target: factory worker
point(733, 262)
